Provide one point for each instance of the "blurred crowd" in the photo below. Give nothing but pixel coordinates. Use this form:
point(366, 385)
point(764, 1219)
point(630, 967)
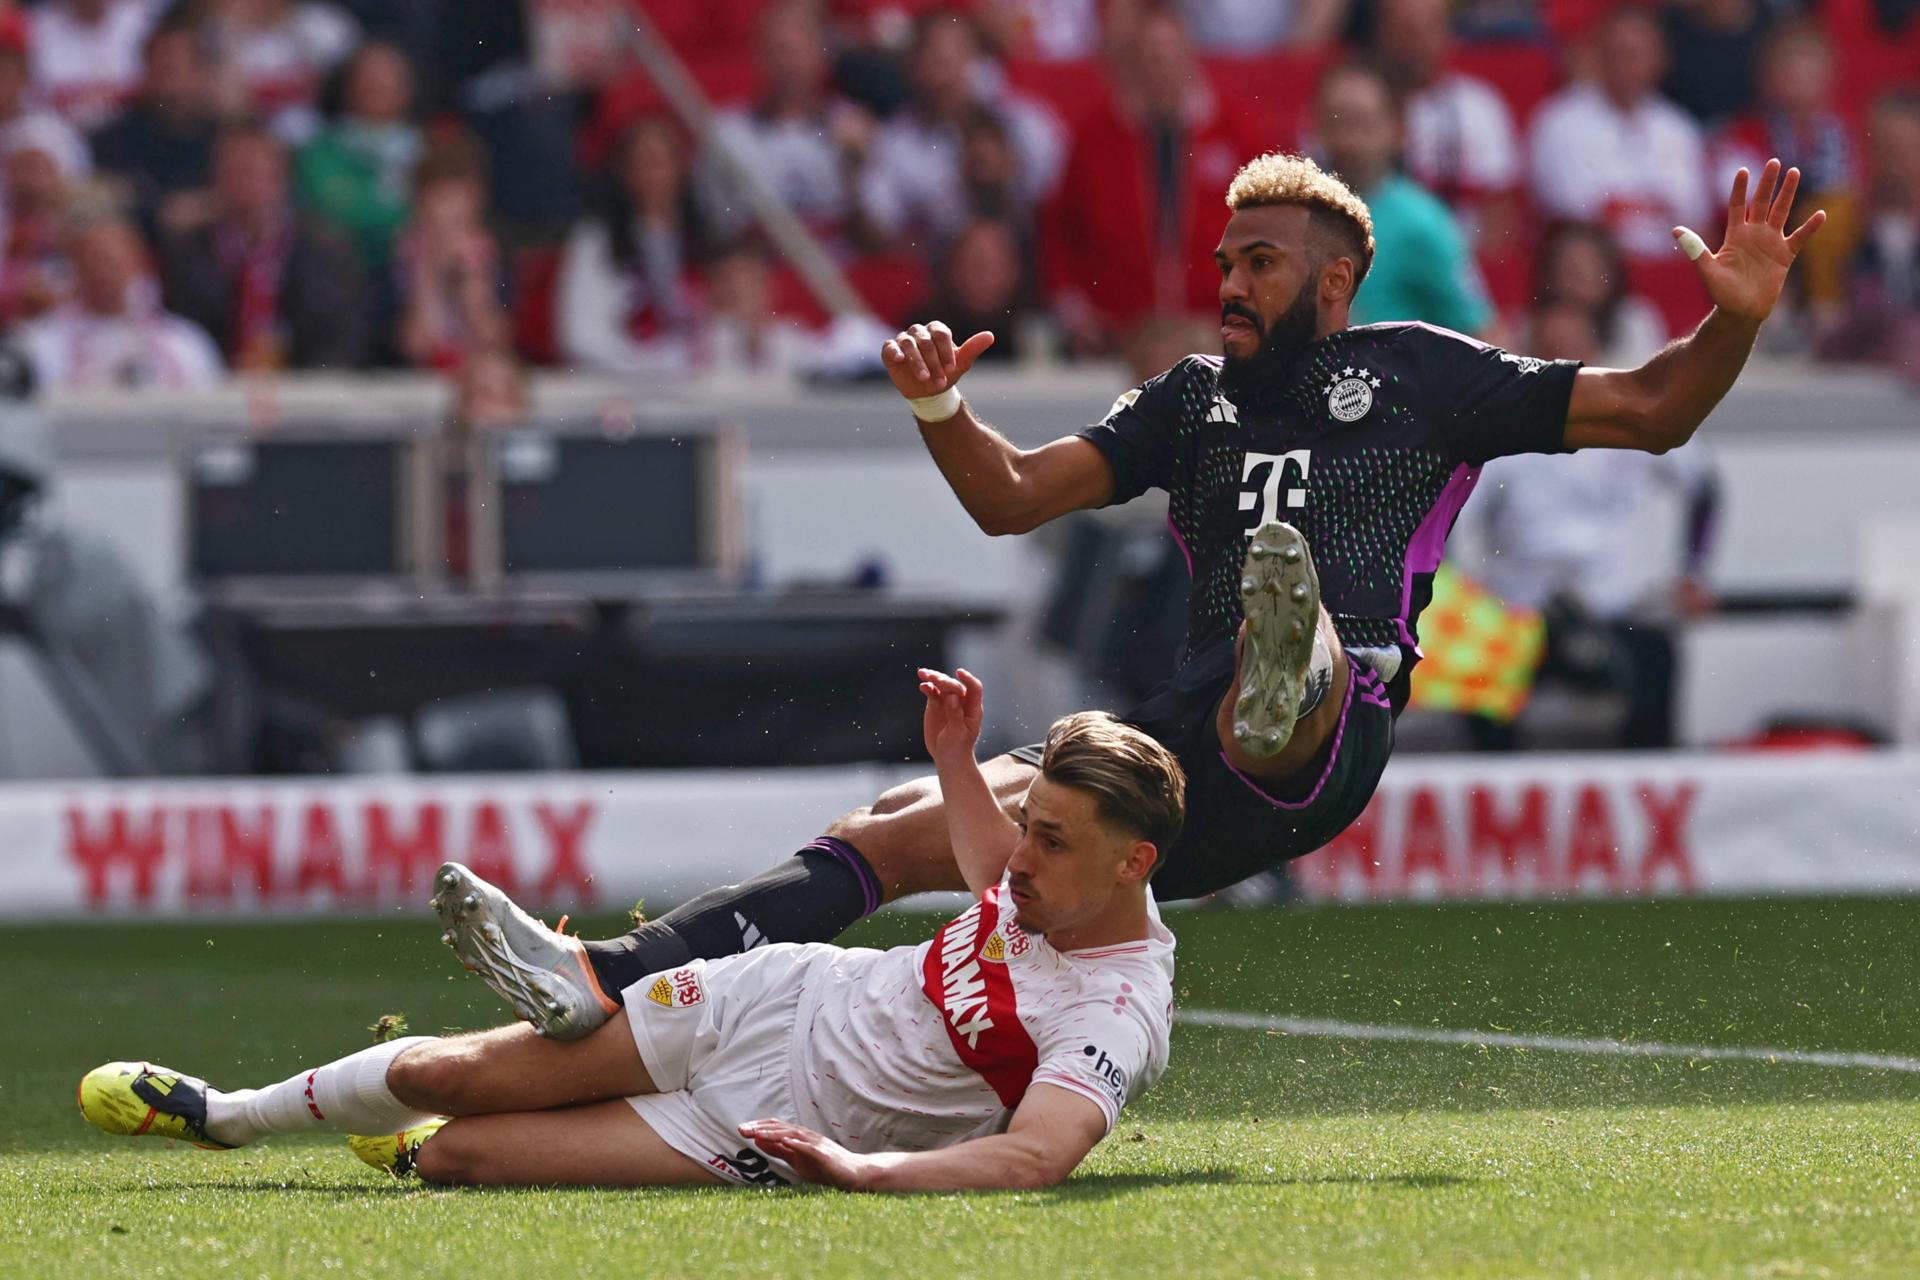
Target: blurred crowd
point(205, 186)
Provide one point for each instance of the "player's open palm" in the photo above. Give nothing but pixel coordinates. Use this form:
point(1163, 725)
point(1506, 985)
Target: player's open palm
point(955, 709)
point(1745, 277)
point(814, 1156)
point(924, 360)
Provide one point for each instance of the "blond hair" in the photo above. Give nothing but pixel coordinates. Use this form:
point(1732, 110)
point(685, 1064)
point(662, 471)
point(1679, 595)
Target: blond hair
point(1137, 784)
point(1279, 177)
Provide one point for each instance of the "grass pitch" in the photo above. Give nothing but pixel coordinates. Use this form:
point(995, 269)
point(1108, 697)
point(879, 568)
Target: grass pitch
point(1259, 1154)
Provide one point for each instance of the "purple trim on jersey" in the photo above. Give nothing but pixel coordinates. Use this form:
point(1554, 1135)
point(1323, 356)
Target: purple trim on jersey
point(1430, 542)
point(850, 857)
point(1180, 542)
point(1339, 732)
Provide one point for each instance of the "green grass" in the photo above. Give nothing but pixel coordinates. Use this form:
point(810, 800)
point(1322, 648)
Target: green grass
point(1258, 1154)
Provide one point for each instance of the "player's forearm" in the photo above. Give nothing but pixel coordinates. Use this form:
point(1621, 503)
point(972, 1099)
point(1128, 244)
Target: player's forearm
point(982, 834)
point(1681, 385)
point(1003, 1161)
point(983, 469)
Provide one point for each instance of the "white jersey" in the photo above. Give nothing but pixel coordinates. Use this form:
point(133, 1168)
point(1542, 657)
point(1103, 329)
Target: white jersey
point(922, 1047)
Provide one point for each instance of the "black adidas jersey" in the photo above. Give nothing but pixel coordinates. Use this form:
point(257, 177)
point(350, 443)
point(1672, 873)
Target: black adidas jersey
point(1370, 448)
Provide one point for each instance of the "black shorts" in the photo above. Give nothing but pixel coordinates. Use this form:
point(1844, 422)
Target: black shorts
point(1237, 827)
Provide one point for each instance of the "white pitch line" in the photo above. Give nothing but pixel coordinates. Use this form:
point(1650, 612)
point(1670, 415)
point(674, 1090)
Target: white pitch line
point(1326, 1028)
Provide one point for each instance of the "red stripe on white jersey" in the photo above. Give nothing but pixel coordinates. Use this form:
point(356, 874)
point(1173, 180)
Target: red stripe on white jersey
point(976, 996)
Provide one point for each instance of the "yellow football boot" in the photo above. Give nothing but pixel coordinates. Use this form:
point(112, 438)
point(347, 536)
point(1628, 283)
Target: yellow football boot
point(394, 1152)
point(138, 1099)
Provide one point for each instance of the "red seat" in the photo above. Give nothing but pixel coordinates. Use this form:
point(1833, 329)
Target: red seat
point(890, 284)
point(536, 280)
point(1522, 73)
point(1672, 285)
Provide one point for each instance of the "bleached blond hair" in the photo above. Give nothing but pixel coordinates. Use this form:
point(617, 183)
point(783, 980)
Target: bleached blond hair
point(1279, 177)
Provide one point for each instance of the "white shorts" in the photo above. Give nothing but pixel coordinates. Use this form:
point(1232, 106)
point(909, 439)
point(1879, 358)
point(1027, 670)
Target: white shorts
point(717, 1040)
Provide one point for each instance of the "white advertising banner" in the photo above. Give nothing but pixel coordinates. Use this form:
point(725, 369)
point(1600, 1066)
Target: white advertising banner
point(1523, 827)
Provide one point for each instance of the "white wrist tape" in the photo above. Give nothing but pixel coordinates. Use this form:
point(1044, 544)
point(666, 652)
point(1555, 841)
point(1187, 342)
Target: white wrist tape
point(938, 407)
point(1691, 245)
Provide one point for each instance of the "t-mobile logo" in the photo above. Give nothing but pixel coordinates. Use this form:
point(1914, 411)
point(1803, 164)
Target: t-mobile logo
point(750, 935)
point(1267, 496)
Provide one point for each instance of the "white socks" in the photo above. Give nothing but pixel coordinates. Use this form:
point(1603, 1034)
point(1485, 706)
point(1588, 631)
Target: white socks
point(347, 1096)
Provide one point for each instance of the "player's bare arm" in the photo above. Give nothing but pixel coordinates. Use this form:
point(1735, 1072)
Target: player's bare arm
point(1659, 405)
point(1004, 488)
point(1052, 1131)
point(983, 835)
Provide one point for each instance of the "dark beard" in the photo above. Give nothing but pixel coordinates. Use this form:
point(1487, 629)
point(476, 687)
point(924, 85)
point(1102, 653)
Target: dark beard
point(1265, 371)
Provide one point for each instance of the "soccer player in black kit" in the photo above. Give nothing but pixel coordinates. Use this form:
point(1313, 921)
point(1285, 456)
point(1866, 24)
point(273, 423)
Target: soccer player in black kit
point(1314, 470)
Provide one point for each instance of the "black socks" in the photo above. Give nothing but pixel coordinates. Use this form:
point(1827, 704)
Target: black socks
point(811, 897)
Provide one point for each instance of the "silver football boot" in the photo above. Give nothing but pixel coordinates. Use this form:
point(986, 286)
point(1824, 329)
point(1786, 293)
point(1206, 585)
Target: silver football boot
point(543, 974)
point(1280, 593)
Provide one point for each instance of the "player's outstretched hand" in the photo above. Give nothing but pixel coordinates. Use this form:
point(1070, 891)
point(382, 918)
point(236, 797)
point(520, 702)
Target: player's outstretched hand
point(814, 1156)
point(955, 709)
point(924, 361)
point(1745, 277)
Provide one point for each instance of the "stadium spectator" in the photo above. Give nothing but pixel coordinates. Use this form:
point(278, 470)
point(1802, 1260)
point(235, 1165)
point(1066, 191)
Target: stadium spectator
point(113, 331)
point(911, 189)
point(162, 146)
point(276, 54)
point(357, 175)
point(982, 283)
point(1460, 138)
point(1882, 320)
point(1044, 30)
point(1613, 150)
point(18, 108)
point(739, 332)
point(61, 140)
point(1558, 533)
point(1138, 214)
point(626, 300)
point(86, 56)
point(990, 173)
point(447, 266)
point(1422, 269)
point(272, 289)
point(1160, 341)
point(483, 68)
point(1715, 46)
point(1241, 28)
point(1796, 121)
point(1580, 265)
point(800, 137)
point(40, 167)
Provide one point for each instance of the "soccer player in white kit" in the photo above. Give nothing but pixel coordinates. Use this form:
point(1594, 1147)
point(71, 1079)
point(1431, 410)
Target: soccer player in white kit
point(996, 1054)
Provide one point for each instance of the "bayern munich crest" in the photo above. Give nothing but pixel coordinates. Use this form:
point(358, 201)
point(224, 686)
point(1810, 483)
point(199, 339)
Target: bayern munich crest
point(1350, 396)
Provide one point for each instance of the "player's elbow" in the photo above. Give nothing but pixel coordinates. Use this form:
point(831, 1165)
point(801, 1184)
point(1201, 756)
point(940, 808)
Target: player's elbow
point(1036, 1167)
point(1005, 522)
point(1644, 423)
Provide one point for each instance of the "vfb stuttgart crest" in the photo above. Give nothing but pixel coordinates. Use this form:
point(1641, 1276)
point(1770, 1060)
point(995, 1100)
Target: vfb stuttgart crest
point(1350, 396)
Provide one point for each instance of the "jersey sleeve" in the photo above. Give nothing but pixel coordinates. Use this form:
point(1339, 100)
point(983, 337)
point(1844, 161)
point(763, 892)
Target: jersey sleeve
point(1495, 403)
point(1137, 435)
point(1107, 1060)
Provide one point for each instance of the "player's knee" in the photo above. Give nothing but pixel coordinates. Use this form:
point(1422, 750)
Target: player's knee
point(904, 796)
point(435, 1077)
point(449, 1159)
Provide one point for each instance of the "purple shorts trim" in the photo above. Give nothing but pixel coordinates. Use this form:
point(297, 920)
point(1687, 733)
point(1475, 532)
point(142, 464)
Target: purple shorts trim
point(1372, 689)
point(851, 859)
point(1339, 732)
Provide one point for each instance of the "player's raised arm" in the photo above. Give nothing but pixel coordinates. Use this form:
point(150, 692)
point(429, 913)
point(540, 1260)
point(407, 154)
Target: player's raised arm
point(1657, 406)
point(982, 834)
point(1051, 1133)
point(1004, 488)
